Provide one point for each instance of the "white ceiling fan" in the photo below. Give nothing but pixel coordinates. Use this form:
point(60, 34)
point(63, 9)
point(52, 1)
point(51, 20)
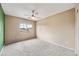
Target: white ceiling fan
point(34, 15)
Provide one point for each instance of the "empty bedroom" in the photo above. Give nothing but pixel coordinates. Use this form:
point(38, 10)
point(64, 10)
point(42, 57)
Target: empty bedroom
point(38, 29)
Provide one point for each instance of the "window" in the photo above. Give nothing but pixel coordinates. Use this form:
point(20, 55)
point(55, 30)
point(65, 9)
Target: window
point(25, 26)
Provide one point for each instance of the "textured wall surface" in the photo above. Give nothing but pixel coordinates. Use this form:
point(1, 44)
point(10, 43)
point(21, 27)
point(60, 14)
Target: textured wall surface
point(58, 29)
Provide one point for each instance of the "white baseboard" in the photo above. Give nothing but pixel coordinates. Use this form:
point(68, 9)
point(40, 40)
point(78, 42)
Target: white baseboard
point(64, 46)
point(60, 45)
point(1, 51)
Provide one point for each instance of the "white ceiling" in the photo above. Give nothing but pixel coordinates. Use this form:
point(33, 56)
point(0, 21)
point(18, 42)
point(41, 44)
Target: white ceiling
point(23, 10)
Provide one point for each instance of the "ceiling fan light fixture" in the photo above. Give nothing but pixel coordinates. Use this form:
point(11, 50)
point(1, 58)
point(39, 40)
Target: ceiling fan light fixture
point(33, 18)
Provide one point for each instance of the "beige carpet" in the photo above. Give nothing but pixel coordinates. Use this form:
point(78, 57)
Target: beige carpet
point(36, 47)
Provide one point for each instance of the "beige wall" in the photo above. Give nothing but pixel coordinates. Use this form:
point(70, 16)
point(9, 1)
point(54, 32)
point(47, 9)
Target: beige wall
point(58, 29)
point(12, 31)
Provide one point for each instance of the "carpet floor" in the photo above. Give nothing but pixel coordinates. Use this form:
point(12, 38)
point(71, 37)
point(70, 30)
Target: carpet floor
point(36, 47)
